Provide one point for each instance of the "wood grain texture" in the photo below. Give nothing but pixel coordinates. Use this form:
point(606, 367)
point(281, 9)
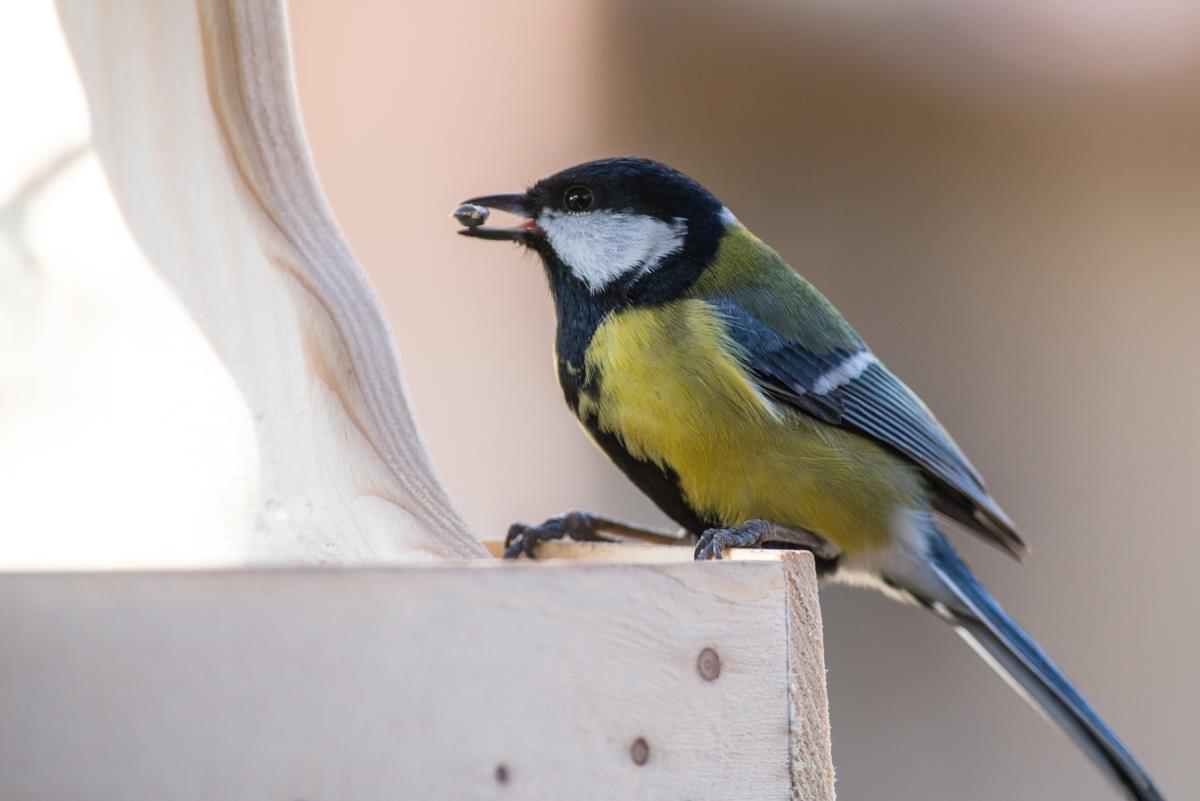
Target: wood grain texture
point(412, 683)
point(195, 120)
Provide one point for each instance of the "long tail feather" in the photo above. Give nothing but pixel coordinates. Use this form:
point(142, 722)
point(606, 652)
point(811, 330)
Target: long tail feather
point(1019, 660)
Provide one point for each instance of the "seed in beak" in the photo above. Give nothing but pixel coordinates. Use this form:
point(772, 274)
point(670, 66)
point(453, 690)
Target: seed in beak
point(471, 216)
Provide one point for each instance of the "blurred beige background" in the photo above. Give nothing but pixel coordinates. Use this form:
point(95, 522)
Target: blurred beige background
point(1003, 197)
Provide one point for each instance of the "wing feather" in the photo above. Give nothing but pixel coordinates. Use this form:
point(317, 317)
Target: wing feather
point(850, 388)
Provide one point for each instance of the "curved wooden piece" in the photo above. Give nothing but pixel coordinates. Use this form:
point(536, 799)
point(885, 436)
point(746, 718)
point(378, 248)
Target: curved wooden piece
point(195, 119)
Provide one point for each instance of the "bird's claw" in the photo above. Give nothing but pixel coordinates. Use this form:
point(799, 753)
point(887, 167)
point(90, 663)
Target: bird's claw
point(522, 538)
point(715, 540)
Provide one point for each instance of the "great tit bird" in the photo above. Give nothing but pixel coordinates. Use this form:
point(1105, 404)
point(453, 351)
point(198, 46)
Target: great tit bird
point(729, 390)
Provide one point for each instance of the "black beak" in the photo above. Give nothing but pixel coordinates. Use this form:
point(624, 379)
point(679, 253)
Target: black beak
point(519, 204)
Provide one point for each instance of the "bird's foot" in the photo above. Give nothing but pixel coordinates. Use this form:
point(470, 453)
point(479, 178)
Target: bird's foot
point(579, 526)
point(754, 533)
point(744, 535)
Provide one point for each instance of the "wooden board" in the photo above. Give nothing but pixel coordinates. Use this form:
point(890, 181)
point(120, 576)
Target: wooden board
point(491, 680)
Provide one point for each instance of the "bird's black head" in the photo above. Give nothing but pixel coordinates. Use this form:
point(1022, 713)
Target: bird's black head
point(622, 228)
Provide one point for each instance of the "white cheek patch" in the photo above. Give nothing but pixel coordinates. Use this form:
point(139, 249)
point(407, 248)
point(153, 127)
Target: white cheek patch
point(600, 246)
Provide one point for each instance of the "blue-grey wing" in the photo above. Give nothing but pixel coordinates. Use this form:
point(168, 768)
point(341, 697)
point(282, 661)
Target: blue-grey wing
point(852, 389)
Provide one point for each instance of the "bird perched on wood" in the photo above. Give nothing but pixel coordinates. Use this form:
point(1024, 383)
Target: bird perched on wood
point(729, 390)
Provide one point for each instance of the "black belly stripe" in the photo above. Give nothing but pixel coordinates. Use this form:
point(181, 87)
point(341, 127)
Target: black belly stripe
point(660, 484)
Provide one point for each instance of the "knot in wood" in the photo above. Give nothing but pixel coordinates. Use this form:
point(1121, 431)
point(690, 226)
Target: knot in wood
point(639, 751)
point(709, 664)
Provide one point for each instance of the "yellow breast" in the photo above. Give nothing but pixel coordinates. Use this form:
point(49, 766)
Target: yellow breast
point(672, 385)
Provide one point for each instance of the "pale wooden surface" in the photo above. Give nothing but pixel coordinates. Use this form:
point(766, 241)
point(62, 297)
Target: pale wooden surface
point(413, 683)
point(810, 754)
point(626, 552)
point(118, 422)
point(194, 119)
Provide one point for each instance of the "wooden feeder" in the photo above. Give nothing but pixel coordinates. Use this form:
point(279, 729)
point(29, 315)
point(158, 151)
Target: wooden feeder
point(383, 653)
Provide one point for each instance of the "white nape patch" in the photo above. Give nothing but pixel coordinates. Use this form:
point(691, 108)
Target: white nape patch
point(727, 217)
point(601, 246)
point(844, 373)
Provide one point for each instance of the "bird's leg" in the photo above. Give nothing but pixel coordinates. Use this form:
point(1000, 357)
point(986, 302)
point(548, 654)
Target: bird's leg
point(581, 527)
point(753, 533)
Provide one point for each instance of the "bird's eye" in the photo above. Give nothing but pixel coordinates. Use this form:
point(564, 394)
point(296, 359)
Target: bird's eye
point(577, 198)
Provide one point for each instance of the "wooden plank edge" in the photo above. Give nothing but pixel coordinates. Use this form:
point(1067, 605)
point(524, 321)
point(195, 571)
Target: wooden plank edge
point(811, 755)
